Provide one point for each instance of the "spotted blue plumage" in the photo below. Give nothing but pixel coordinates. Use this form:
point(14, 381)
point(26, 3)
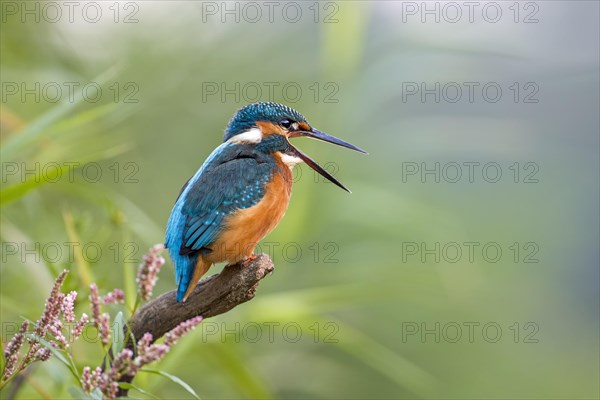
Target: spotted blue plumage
point(232, 178)
point(247, 116)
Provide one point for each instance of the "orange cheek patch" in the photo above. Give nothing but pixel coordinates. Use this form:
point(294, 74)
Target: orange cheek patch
point(303, 126)
point(269, 128)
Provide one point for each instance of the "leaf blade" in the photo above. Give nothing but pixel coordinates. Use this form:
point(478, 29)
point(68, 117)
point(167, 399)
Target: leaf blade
point(131, 386)
point(118, 333)
point(57, 353)
point(173, 379)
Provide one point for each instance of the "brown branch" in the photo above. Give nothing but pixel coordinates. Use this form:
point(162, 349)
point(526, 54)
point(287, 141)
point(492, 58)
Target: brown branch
point(214, 295)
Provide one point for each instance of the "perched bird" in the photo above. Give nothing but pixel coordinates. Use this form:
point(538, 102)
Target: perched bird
point(240, 193)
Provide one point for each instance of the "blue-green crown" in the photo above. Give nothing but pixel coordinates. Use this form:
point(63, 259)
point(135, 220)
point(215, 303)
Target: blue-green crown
point(247, 117)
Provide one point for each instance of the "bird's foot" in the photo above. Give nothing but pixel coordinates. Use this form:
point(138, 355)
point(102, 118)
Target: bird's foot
point(248, 260)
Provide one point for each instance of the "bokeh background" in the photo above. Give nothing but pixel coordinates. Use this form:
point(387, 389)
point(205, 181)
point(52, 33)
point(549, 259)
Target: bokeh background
point(359, 306)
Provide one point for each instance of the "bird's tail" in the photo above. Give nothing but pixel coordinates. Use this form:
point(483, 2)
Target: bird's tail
point(189, 276)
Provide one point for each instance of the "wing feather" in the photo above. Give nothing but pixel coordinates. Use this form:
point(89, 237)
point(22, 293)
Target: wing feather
point(218, 192)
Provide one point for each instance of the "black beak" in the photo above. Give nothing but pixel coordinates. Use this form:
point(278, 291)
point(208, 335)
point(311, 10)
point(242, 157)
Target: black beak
point(317, 134)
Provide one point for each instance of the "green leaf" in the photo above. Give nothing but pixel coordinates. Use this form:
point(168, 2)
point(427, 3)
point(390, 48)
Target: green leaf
point(77, 393)
point(39, 279)
point(139, 222)
point(1, 356)
point(130, 386)
point(83, 269)
point(173, 379)
point(57, 353)
point(39, 126)
point(97, 394)
point(17, 190)
point(83, 117)
point(50, 173)
point(118, 334)
point(129, 276)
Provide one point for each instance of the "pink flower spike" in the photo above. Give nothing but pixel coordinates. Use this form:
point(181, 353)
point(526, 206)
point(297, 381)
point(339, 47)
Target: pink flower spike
point(86, 380)
point(148, 271)
point(112, 390)
point(148, 352)
point(68, 306)
point(116, 296)
point(98, 378)
point(180, 330)
point(43, 354)
point(11, 352)
point(94, 300)
point(122, 365)
point(78, 329)
point(16, 342)
point(104, 328)
point(56, 331)
point(53, 307)
point(152, 353)
point(144, 343)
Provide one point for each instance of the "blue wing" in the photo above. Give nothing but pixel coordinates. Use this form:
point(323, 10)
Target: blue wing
point(232, 178)
point(232, 185)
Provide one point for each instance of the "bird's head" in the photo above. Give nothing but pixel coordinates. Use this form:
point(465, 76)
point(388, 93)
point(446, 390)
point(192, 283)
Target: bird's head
point(269, 126)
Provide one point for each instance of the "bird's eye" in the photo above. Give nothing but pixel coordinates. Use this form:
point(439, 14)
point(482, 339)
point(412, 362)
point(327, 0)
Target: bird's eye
point(286, 123)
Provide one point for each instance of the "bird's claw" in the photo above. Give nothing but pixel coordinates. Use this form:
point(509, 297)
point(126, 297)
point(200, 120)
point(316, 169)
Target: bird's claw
point(248, 260)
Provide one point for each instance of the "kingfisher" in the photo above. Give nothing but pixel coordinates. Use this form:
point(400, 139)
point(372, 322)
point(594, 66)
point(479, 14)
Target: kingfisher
point(241, 192)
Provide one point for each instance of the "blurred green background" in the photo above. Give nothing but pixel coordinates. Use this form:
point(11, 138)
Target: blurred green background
point(357, 307)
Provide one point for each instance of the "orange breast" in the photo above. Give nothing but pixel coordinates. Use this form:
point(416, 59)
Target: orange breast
point(247, 227)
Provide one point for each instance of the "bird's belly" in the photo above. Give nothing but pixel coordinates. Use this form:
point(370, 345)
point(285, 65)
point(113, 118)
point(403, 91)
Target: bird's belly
point(244, 229)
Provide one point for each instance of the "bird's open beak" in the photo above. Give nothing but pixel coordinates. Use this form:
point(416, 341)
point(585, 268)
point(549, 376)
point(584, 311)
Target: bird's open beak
point(317, 134)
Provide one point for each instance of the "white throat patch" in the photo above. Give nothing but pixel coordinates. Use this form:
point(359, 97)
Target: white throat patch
point(289, 160)
point(253, 135)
